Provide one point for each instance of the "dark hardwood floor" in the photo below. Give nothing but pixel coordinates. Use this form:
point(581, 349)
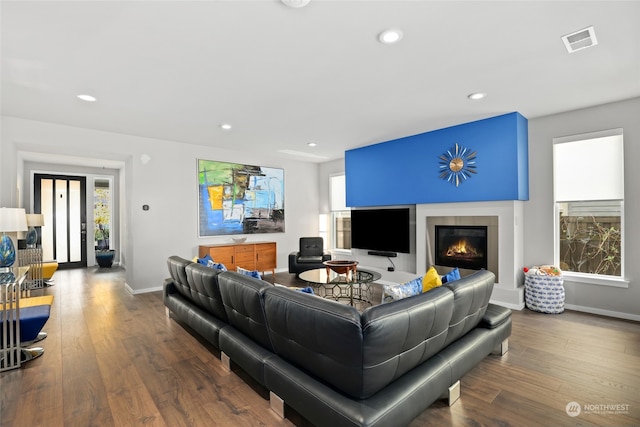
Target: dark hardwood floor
point(115, 359)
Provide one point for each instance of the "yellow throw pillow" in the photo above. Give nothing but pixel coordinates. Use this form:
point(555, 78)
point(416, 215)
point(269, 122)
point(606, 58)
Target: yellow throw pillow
point(431, 280)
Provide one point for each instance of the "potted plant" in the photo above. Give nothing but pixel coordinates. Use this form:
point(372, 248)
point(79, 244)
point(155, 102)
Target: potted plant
point(104, 255)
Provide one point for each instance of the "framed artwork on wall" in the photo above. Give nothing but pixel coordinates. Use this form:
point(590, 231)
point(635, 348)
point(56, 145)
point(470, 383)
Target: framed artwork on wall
point(235, 198)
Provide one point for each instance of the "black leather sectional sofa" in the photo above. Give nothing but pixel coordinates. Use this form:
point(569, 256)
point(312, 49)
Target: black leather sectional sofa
point(332, 364)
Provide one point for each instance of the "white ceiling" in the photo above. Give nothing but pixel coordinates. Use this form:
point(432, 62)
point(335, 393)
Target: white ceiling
point(284, 77)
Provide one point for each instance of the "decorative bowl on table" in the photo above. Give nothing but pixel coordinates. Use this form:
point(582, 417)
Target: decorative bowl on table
point(238, 240)
point(341, 266)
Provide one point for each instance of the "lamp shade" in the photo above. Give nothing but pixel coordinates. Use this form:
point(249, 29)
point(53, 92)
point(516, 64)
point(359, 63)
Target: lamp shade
point(13, 219)
point(35, 220)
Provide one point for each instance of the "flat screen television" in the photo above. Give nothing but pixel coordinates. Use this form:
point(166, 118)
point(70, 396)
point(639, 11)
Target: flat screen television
point(385, 230)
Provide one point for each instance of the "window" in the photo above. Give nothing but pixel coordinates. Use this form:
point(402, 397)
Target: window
point(588, 179)
point(340, 214)
point(102, 213)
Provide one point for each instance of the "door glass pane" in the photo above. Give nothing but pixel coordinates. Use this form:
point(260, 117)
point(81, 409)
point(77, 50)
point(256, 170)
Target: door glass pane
point(61, 220)
point(74, 222)
point(46, 208)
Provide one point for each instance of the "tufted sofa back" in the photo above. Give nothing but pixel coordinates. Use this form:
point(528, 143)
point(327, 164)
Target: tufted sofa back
point(204, 289)
point(243, 299)
point(177, 266)
point(471, 298)
point(321, 336)
point(357, 354)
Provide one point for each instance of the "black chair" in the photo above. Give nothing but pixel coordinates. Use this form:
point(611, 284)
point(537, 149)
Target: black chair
point(310, 255)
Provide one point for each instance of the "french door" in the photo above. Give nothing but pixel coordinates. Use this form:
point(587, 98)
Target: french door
point(63, 202)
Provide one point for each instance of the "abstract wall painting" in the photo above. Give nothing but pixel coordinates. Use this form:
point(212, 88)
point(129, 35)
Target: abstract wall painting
point(235, 198)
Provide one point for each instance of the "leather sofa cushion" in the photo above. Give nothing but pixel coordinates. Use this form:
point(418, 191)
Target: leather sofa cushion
point(204, 289)
point(311, 258)
point(178, 274)
point(310, 246)
point(471, 298)
point(495, 316)
point(318, 335)
point(401, 335)
point(243, 300)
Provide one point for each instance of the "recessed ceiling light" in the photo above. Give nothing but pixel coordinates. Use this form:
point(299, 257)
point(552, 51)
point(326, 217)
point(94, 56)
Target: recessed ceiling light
point(296, 3)
point(225, 126)
point(311, 144)
point(87, 98)
point(390, 36)
point(476, 95)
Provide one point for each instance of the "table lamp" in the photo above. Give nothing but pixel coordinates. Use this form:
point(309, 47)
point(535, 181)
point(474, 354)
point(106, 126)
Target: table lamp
point(33, 221)
point(11, 220)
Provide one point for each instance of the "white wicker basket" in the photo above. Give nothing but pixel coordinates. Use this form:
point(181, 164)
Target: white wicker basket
point(544, 293)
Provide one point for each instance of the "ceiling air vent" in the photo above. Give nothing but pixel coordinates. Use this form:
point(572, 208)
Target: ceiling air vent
point(579, 40)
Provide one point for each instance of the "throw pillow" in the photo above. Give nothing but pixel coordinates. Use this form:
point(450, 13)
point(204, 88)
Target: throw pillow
point(205, 260)
point(397, 292)
point(216, 265)
point(431, 280)
point(451, 276)
point(254, 273)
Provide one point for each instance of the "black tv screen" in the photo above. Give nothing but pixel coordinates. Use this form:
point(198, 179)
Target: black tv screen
point(381, 229)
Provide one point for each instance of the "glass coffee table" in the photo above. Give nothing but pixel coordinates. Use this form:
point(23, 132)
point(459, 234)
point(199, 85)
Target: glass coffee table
point(355, 287)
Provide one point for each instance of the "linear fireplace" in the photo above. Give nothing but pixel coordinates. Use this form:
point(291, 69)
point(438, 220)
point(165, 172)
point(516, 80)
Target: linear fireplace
point(463, 246)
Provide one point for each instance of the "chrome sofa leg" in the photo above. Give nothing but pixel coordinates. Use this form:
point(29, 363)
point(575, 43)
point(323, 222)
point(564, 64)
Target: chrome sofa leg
point(277, 404)
point(226, 361)
point(452, 394)
point(167, 312)
point(501, 348)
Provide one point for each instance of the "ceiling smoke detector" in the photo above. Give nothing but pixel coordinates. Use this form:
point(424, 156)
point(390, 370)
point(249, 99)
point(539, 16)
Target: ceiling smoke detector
point(579, 40)
point(297, 4)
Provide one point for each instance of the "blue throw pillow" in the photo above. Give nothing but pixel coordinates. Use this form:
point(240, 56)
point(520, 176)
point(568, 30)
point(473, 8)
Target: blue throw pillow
point(397, 292)
point(254, 273)
point(205, 260)
point(451, 276)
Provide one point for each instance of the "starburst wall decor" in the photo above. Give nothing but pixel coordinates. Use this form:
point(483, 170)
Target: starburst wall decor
point(457, 164)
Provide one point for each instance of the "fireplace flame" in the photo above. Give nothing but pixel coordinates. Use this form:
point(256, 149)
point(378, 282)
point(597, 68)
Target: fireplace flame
point(461, 248)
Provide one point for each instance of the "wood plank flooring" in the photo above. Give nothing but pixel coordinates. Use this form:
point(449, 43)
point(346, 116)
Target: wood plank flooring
point(115, 359)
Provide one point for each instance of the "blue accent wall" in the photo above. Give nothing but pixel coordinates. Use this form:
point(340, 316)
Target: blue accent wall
point(406, 170)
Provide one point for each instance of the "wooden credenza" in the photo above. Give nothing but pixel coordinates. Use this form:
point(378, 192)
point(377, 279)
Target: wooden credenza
point(260, 256)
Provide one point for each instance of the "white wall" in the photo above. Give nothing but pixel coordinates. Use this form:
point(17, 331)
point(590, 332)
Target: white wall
point(538, 211)
point(167, 183)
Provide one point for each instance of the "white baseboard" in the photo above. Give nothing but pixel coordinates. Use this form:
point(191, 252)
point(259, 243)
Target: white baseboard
point(609, 313)
point(518, 307)
point(141, 291)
